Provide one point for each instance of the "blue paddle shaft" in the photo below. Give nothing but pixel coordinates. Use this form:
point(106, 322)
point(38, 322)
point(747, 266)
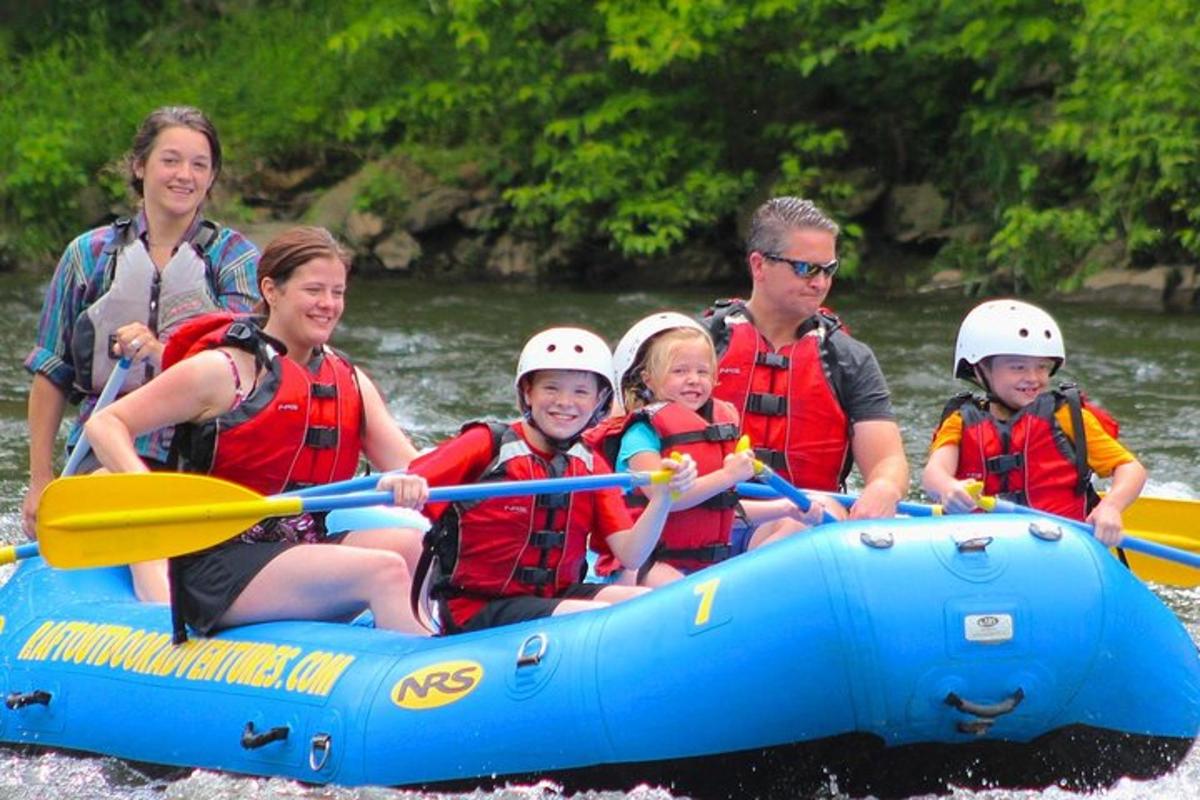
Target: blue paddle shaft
point(779, 484)
point(359, 484)
point(483, 491)
point(115, 381)
point(756, 491)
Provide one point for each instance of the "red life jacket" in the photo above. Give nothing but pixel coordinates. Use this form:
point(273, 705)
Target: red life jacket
point(513, 546)
point(298, 426)
point(698, 536)
point(1029, 459)
point(787, 397)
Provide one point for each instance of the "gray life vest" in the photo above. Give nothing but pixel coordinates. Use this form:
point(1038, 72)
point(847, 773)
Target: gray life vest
point(139, 292)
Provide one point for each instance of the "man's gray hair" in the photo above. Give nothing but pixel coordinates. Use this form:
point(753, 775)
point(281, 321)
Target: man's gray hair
point(774, 219)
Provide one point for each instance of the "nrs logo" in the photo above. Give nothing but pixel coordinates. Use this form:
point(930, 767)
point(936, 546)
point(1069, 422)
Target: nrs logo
point(988, 628)
point(437, 685)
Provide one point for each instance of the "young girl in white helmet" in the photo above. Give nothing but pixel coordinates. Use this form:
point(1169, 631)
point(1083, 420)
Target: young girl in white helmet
point(510, 559)
point(665, 368)
point(1023, 439)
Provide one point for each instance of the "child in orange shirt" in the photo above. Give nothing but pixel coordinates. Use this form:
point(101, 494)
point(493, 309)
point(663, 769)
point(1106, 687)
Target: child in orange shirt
point(1022, 439)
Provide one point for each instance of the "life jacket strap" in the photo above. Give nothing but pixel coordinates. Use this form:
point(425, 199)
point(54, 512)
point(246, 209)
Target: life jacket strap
point(710, 554)
point(722, 500)
point(722, 432)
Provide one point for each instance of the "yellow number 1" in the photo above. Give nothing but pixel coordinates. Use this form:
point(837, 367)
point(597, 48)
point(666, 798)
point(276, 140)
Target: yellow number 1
point(706, 592)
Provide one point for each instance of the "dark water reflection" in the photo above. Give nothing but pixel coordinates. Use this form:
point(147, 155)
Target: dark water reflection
point(444, 355)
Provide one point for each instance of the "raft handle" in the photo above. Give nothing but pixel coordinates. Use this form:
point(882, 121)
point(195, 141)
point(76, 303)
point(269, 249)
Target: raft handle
point(975, 545)
point(318, 751)
point(253, 741)
point(986, 711)
point(527, 657)
point(37, 697)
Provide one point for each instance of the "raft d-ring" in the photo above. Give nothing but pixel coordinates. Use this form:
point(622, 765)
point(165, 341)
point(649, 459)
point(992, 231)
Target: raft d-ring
point(318, 751)
point(528, 656)
point(978, 544)
point(881, 540)
point(1046, 531)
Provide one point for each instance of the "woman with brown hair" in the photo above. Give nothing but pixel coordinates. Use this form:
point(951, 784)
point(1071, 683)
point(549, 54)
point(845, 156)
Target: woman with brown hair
point(273, 407)
point(120, 289)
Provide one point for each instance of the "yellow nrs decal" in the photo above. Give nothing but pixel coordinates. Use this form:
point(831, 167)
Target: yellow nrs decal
point(437, 685)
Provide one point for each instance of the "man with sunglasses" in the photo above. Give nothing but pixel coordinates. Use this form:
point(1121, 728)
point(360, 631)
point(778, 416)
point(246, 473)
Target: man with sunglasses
point(813, 399)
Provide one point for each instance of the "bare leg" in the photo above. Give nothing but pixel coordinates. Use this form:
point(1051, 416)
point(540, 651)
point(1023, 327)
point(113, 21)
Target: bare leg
point(150, 581)
point(605, 597)
point(404, 542)
point(660, 575)
point(329, 582)
point(774, 531)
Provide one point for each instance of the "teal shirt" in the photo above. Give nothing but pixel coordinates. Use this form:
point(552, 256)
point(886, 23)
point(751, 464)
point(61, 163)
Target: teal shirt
point(639, 437)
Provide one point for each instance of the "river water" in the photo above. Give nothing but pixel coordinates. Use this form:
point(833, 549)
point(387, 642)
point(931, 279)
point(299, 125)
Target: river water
point(443, 355)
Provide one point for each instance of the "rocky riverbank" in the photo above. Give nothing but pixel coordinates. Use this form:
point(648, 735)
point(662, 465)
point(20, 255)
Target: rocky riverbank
point(450, 224)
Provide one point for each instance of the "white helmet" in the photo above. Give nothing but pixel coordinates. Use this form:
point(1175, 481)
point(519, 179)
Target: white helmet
point(629, 350)
point(570, 349)
point(1006, 327)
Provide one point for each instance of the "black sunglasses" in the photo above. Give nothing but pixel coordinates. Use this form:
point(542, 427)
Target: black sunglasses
point(806, 269)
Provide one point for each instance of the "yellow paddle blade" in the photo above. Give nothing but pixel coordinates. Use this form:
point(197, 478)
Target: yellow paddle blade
point(1174, 522)
point(101, 520)
point(1176, 515)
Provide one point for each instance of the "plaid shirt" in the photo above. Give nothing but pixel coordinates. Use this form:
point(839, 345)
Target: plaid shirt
point(79, 280)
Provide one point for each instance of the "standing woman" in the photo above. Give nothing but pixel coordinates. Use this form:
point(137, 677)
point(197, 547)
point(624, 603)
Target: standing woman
point(274, 408)
point(119, 290)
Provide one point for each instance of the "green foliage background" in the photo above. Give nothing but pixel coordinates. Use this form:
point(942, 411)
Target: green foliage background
point(639, 125)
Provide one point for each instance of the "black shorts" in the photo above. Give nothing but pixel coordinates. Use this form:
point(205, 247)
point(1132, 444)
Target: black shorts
point(509, 610)
point(205, 584)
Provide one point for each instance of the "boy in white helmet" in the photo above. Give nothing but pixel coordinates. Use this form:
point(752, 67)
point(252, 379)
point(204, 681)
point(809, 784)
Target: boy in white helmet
point(511, 559)
point(1022, 439)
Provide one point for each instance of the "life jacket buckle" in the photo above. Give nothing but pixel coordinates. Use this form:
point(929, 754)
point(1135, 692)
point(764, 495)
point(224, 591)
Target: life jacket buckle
point(321, 438)
point(721, 432)
point(534, 576)
point(1005, 463)
point(560, 500)
point(775, 459)
point(547, 540)
point(772, 360)
point(773, 405)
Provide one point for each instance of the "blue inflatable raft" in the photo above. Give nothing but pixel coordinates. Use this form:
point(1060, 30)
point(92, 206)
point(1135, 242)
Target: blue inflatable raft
point(900, 656)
